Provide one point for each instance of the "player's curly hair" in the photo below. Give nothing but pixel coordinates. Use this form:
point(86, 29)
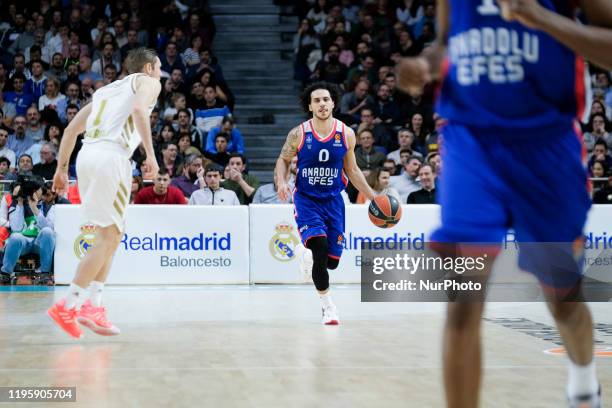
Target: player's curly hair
point(333, 90)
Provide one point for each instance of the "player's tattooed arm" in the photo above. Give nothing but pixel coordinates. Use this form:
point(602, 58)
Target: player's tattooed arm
point(291, 144)
point(353, 171)
point(281, 171)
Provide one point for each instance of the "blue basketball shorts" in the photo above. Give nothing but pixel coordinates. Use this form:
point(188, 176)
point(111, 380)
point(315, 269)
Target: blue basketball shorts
point(317, 217)
point(534, 184)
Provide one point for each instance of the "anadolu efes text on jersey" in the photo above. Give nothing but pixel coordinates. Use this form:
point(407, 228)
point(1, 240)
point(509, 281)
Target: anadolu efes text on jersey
point(320, 163)
point(111, 115)
point(503, 74)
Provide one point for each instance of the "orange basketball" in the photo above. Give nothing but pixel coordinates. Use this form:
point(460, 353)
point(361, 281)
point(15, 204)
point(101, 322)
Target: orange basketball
point(385, 211)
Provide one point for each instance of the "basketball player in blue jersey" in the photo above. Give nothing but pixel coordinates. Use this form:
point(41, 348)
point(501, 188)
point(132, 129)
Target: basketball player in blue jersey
point(325, 149)
point(511, 90)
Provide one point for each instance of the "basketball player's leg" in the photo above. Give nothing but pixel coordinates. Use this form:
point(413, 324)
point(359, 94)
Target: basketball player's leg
point(471, 211)
point(553, 234)
point(96, 262)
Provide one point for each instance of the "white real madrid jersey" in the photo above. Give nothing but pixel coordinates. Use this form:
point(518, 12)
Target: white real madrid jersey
point(111, 115)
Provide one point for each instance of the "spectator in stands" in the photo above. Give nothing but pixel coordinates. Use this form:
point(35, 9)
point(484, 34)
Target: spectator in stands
point(353, 102)
point(390, 166)
point(177, 102)
point(57, 67)
point(5, 151)
point(378, 179)
point(236, 141)
point(7, 111)
point(37, 84)
point(25, 38)
point(161, 192)
point(167, 135)
point(132, 43)
point(405, 183)
point(405, 138)
point(598, 170)
point(35, 130)
point(409, 12)
point(304, 42)
point(52, 95)
point(19, 67)
point(137, 185)
point(110, 74)
point(268, 194)
point(5, 167)
point(604, 195)
point(196, 96)
point(367, 157)
point(213, 113)
point(53, 134)
point(192, 171)
point(244, 185)
point(330, 69)
point(346, 54)
point(171, 59)
point(72, 99)
point(435, 160)
point(31, 231)
point(207, 78)
point(184, 125)
point(169, 152)
point(19, 142)
point(107, 57)
point(213, 193)
point(427, 194)
point(600, 153)
point(191, 56)
point(597, 131)
point(48, 163)
point(221, 157)
point(385, 110)
point(18, 96)
point(417, 128)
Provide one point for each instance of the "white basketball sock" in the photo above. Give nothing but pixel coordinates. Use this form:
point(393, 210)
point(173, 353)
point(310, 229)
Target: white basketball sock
point(582, 380)
point(75, 297)
point(95, 293)
point(326, 299)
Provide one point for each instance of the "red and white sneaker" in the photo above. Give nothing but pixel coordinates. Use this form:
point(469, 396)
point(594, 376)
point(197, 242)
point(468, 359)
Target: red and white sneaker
point(65, 319)
point(94, 318)
point(330, 315)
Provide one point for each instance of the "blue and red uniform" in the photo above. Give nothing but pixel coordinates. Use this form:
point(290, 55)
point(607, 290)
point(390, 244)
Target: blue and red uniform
point(319, 207)
point(512, 155)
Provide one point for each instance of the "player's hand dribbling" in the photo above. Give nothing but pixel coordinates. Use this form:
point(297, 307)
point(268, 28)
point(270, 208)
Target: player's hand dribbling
point(413, 74)
point(60, 182)
point(526, 12)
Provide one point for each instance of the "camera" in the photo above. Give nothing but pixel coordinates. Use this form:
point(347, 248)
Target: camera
point(28, 183)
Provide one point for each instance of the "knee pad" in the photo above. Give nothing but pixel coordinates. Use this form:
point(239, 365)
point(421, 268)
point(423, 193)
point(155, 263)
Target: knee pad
point(320, 277)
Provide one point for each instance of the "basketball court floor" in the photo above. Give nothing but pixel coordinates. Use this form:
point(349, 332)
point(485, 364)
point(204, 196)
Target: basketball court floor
point(264, 346)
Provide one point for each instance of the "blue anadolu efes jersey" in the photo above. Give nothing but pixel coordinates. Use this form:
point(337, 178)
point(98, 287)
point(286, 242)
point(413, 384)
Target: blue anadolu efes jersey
point(500, 74)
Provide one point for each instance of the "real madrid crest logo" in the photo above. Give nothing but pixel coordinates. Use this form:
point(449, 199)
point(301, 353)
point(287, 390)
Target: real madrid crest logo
point(85, 240)
point(282, 244)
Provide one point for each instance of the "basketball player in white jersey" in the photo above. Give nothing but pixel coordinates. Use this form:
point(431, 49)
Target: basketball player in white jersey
point(116, 122)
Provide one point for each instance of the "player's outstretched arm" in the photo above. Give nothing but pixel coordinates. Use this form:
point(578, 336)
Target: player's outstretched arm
point(353, 171)
point(283, 163)
point(414, 73)
point(72, 131)
point(592, 42)
point(147, 91)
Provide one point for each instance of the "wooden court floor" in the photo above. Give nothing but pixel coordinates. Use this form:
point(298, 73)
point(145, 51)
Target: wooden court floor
point(263, 346)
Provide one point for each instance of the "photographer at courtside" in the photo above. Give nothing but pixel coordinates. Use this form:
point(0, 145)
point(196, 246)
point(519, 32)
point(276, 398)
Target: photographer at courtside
point(31, 230)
